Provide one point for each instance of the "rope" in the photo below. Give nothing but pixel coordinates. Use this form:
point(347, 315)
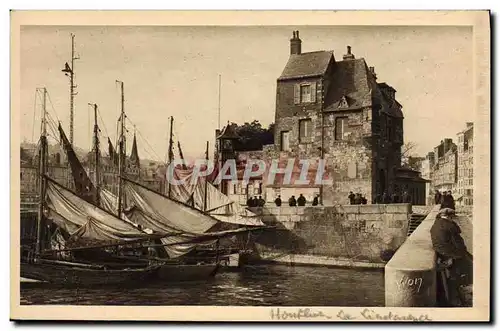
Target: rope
point(53, 108)
point(34, 115)
point(103, 124)
point(146, 141)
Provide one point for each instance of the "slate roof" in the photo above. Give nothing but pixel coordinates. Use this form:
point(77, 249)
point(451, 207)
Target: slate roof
point(228, 132)
point(389, 108)
point(349, 79)
point(306, 65)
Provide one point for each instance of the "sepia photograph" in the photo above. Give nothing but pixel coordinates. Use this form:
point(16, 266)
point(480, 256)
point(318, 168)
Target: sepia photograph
point(332, 166)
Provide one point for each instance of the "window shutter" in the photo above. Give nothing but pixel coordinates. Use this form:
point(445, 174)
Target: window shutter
point(296, 94)
point(313, 92)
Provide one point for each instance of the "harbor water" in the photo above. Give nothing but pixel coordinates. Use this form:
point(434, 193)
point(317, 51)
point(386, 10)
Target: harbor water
point(270, 285)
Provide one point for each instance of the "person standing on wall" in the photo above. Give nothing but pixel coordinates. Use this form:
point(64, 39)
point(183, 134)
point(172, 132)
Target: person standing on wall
point(292, 202)
point(277, 201)
point(454, 260)
point(447, 201)
point(315, 200)
point(351, 197)
point(301, 201)
point(437, 197)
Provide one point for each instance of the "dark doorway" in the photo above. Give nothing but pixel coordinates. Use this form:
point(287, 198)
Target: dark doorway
point(381, 179)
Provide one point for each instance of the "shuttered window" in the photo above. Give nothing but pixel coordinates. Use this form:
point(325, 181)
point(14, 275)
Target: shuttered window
point(305, 130)
point(340, 127)
point(304, 93)
point(285, 143)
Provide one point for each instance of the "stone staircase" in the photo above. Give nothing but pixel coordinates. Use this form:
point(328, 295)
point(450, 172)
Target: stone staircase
point(415, 221)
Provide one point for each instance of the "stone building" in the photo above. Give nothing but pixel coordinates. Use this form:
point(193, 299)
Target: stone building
point(426, 172)
point(337, 110)
point(445, 172)
point(465, 154)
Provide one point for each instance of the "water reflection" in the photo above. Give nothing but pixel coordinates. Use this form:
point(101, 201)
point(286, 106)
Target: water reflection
point(255, 286)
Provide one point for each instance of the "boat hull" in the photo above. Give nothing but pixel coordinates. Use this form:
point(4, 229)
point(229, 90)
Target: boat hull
point(80, 276)
point(179, 273)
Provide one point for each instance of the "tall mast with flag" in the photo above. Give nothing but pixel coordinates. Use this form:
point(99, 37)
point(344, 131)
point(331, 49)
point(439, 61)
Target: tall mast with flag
point(42, 163)
point(70, 72)
point(121, 150)
point(97, 155)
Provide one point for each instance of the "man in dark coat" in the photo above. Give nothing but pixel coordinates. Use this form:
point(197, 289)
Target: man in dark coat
point(447, 201)
point(277, 201)
point(351, 197)
point(357, 199)
point(301, 201)
point(452, 199)
point(452, 253)
point(315, 201)
point(255, 201)
point(437, 197)
point(292, 202)
point(261, 201)
point(250, 202)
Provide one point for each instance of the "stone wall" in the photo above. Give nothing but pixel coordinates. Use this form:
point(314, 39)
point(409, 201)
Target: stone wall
point(357, 232)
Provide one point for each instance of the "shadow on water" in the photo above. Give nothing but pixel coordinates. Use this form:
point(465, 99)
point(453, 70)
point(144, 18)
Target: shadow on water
point(253, 286)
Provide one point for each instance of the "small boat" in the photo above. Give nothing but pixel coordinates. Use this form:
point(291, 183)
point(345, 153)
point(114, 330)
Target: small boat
point(75, 274)
point(186, 272)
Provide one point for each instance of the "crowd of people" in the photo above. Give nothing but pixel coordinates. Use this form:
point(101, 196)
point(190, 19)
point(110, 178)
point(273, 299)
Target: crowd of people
point(257, 201)
point(384, 198)
point(444, 199)
point(357, 199)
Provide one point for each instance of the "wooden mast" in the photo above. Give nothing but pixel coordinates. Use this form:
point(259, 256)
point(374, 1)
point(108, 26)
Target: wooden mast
point(121, 159)
point(205, 207)
point(42, 171)
point(96, 151)
point(170, 153)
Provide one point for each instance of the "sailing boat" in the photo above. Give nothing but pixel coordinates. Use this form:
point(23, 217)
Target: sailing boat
point(84, 223)
point(169, 268)
point(204, 196)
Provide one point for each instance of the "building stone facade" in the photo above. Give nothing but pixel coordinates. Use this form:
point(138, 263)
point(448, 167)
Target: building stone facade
point(337, 110)
point(445, 171)
point(465, 154)
point(426, 172)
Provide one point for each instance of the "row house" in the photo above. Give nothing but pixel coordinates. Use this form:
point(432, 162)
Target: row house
point(465, 149)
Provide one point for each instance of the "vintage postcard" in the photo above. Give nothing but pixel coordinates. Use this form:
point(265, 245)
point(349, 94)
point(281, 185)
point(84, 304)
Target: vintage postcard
point(250, 166)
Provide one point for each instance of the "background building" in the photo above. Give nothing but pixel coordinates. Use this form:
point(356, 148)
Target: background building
point(336, 110)
point(465, 149)
point(426, 172)
point(445, 172)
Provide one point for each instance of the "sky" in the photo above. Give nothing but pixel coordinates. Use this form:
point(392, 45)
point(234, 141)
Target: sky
point(174, 71)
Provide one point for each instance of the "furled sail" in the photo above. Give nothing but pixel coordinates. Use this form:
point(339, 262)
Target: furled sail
point(167, 213)
point(219, 205)
point(84, 221)
point(186, 226)
point(83, 185)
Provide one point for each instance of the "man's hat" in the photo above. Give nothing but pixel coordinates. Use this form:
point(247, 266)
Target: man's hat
point(446, 212)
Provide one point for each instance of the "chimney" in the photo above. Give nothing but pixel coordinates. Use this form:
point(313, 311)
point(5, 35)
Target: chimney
point(372, 70)
point(349, 55)
point(295, 44)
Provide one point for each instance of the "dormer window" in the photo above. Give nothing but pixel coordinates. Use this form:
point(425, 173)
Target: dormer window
point(305, 93)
